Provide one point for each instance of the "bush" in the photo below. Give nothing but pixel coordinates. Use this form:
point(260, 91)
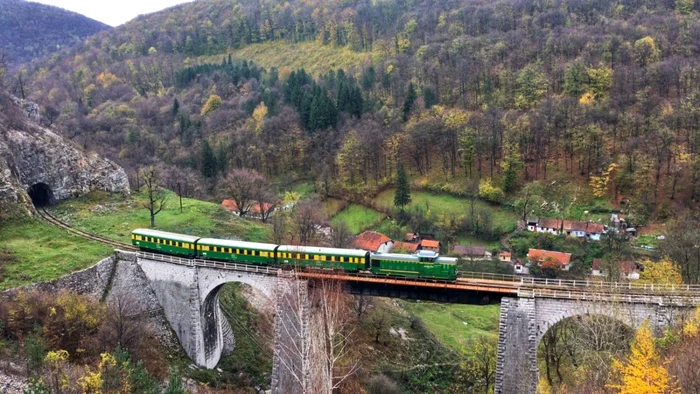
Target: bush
point(489, 192)
point(382, 384)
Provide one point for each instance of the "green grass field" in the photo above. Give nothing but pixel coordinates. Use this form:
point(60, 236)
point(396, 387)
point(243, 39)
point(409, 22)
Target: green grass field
point(455, 324)
point(43, 252)
point(311, 56)
point(115, 217)
point(446, 205)
point(358, 217)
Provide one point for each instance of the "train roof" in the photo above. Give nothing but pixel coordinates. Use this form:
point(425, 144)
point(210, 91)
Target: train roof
point(319, 250)
point(237, 244)
point(446, 260)
point(395, 257)
point(164, 234)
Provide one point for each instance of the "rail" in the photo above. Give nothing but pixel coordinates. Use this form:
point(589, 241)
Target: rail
point(98, 238)
point(565, 287)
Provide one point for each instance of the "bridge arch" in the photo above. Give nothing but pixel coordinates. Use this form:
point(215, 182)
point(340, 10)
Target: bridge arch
point(524, 322)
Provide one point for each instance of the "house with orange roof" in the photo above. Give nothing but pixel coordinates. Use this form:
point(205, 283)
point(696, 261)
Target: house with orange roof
point(373, 241)
point(430, 244)
point(256, 210)
point(547, 258)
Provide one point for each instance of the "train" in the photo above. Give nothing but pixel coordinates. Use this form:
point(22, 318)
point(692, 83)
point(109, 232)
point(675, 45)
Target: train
point(423, 264)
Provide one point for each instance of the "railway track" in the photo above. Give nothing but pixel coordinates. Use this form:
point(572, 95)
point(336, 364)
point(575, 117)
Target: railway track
point(98, 238)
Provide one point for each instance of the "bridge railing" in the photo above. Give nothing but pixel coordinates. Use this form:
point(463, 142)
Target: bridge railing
point(667, 299)
point(584, 284)
point(260, 269)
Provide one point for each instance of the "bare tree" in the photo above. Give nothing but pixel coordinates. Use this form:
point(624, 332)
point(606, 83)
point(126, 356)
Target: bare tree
point(157, 197)
point(307, 220)
point(124, 324)
point(279, 227)
point(266, 197)
point(292, 348)
point(341, 236)
point(241, 185)
point(361, 305)
point(331, 332)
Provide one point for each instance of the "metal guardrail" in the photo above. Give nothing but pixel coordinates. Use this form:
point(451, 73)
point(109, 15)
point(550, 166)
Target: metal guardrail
point(663, 299)
point(586, 284)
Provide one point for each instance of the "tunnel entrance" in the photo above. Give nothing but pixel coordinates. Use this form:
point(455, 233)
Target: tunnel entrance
point(41, 194)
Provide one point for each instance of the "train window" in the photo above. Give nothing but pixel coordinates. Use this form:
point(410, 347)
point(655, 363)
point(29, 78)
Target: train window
point(245, 252)
point(342, 259)
point(363, 260)
point(306, 257)
point(263, 254)
point(333, 258)
point(238, 251)
point(254, 253)
point(315, 257)
point(230, 250)
point(323, 258)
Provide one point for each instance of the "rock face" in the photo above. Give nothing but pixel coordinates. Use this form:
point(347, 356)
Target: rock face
point(33, 158)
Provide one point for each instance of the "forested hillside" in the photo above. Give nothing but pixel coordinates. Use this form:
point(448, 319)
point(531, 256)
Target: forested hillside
point(605, 94)
point(30, 30)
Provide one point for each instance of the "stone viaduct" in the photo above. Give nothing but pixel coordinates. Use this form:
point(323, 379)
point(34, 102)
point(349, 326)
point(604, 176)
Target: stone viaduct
point(525, 320)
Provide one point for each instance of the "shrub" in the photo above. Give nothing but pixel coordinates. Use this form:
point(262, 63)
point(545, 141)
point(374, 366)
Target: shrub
point(382, 384)
point(489, 192)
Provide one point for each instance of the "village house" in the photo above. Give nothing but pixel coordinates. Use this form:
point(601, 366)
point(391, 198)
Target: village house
point(505, 257)
point(628, 269)
point(373, 242)
point(560, 259)
point(594, 231)
point(472, 252)
point(430, 244)
point(575, 228)
point(551, 226)
point(572, 228)
point(255, 212)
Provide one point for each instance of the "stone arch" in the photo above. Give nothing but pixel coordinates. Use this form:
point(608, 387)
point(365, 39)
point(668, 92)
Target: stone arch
point(627, 314)
point(41, 194)
point(217, 336)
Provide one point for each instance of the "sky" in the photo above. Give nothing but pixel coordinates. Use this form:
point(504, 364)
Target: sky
point(112, 12)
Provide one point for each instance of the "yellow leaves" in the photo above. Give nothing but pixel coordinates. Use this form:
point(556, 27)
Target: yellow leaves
point(211, 105)
point(107, 79)
point(599, 184)
point(259, 115)
point(54, 358)
point(587, 99)
point(91, 382)
point(642, 371)
point(660, 272)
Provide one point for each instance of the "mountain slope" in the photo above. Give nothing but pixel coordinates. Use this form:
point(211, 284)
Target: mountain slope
point(457, 91)
point(29, 30)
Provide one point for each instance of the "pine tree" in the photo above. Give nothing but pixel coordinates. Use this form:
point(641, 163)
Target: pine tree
point(176, 107)
point(402, 196)
point(511, 168)
point(208, 161)
point(408, 102)
point(429, 98)
point(642, 372)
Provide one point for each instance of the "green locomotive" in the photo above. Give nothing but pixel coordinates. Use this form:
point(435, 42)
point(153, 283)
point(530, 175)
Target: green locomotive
point(424, 264)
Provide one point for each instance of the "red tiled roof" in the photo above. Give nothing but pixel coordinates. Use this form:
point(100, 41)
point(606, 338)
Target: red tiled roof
point(409, 247)
point(505, 254)
point(540, 256)
point(550, 223)
point(371, 241)
point(570, 225)
point(470, 250)
point(430, 243)
point(410, 237)
point(595, 228)
point(255, 209)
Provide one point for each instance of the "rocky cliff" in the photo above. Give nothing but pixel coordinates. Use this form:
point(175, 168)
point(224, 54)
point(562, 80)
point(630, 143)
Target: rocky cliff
point(34, 160)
